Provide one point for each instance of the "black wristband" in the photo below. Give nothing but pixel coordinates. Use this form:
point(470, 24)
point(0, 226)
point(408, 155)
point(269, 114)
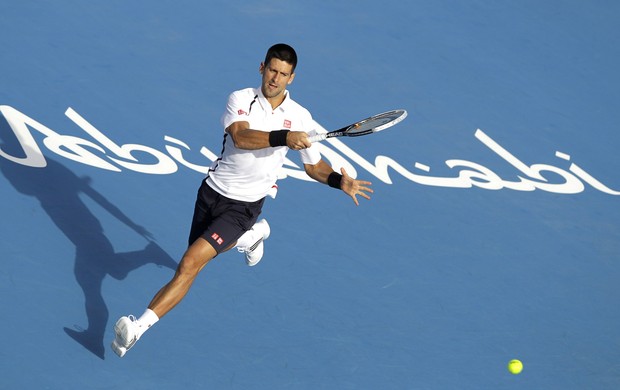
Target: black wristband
point(334, 179)
point(278, 137)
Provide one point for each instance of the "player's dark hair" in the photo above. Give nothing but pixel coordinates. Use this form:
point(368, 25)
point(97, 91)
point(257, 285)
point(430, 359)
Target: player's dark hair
point(282, 52)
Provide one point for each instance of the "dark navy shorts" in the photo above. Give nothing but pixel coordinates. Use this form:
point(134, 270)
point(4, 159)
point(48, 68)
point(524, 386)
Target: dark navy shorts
point(221, 220)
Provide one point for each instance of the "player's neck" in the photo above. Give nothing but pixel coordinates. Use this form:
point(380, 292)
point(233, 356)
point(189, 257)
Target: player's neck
point(276, 101)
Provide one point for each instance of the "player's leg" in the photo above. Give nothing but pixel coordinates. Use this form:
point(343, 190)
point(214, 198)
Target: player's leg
point(217, 224)
point(193, 261)
point(129, 329)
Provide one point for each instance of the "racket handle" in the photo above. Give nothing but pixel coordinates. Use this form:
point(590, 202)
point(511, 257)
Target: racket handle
point(317, 137)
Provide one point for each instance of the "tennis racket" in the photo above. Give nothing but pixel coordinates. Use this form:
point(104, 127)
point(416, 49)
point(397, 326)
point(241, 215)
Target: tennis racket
point(366, 126)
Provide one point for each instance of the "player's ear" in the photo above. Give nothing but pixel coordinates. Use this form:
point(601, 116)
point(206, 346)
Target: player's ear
point(261, 68)
point(291, 79)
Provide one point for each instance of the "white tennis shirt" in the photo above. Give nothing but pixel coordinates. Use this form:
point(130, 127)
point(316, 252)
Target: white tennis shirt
point(248, 175)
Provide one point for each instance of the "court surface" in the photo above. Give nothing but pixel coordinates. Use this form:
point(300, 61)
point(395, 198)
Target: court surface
point(493, 232)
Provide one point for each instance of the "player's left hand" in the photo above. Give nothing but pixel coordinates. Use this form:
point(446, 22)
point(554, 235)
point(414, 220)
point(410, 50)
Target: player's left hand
point(353, 187)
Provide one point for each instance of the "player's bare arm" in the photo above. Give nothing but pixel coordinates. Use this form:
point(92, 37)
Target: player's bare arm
point(321, 172)
point(249, 139)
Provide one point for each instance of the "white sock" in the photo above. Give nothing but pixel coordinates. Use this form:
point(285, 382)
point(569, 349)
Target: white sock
point(146, 320)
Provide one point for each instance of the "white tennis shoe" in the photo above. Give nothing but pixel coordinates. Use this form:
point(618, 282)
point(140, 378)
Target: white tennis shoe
point(127, 333)
point(252, 242)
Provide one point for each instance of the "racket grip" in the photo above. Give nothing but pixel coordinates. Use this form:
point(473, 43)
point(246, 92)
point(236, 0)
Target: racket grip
point(317, 137)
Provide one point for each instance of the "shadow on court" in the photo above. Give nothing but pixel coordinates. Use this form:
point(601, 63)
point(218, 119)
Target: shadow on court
point(57, 189)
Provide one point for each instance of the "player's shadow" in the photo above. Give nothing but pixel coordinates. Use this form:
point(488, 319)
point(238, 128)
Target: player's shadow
point(58, 191)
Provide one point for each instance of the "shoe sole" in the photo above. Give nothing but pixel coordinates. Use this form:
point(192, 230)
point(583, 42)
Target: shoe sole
point(118, 350)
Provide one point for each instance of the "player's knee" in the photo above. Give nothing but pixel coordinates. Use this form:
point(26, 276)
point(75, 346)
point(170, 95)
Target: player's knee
point(189, 266)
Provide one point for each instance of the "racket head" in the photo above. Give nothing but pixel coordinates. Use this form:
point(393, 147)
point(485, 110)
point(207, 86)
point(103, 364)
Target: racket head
point(375, 123)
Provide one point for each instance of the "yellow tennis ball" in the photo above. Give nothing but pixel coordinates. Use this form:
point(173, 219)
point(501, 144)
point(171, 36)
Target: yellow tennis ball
point(515, 366)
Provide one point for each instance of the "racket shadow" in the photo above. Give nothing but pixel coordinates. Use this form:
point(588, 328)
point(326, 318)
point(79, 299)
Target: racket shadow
point(58, 191)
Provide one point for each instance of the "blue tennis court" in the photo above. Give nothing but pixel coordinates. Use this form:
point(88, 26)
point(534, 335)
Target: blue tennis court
point(493, 232)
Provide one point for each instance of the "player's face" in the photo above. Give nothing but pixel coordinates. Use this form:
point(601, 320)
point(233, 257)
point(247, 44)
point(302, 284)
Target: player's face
point(277, 74)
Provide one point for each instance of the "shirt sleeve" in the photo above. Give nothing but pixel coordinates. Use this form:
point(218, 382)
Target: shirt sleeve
point(235, 110)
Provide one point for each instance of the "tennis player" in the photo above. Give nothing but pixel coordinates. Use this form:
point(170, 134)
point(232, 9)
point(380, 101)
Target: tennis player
point(231, 197)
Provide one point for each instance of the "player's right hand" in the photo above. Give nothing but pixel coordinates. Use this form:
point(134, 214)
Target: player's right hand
point(297, 140)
